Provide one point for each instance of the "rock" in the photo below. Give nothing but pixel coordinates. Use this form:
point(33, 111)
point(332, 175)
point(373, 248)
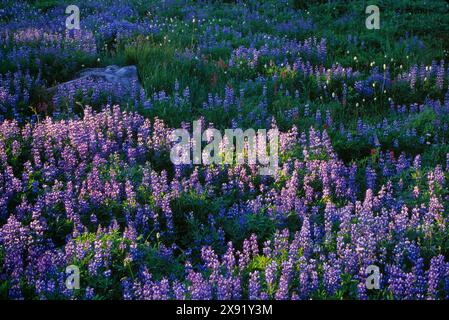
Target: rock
point(113, 74)
point(125, 79)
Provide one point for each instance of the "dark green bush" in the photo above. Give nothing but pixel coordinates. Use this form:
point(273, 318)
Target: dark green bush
point(304, 4)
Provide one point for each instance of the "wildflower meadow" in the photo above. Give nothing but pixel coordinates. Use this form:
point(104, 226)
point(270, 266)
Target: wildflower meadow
point(224, 150)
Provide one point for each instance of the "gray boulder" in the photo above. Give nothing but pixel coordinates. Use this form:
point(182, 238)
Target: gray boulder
point(125, 79)
point(113, 74)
